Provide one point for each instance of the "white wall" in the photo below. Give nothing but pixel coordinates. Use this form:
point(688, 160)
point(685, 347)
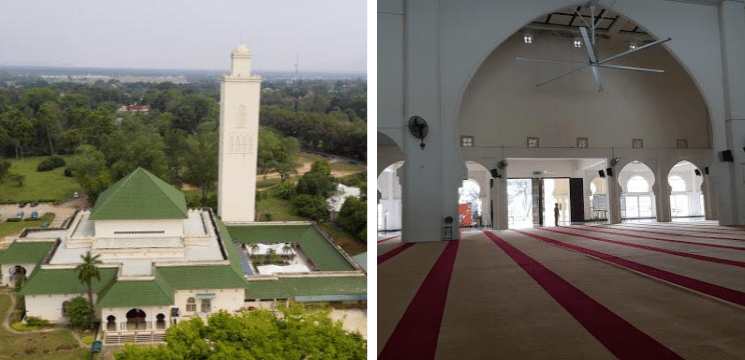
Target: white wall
point(107, 228)
point(49, 307)
point(225, 299)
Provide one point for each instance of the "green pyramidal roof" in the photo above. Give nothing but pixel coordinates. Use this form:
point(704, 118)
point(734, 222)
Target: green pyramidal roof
point(140, 195)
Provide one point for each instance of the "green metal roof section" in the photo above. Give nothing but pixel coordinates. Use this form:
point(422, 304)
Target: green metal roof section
point(266, 289)
point(330, 285)
point(133, 293)
point(26, 252)
point(140, 195)
point(324, 255)
point(233, 256)
point(64, 281)
point(201, 277)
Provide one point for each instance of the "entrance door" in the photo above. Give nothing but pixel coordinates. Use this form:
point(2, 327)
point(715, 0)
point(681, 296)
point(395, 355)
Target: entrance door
point(576, 199)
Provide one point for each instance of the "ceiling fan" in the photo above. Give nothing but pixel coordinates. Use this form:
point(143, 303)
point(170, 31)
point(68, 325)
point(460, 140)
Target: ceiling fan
point(594, 63)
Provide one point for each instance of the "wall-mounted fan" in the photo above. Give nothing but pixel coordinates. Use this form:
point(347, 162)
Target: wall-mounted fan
point(594, 63)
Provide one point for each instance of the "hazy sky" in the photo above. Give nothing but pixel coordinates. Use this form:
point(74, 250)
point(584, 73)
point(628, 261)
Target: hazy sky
point(329, 35)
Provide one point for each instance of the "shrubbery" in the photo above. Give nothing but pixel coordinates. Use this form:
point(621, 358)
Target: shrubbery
point(79, 312)
point(51, 163)
point(36, 322)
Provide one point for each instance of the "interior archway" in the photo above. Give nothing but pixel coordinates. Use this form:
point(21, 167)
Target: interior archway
point(136, 320)
point(686, 195)
point(637, 196)
point(389, 202)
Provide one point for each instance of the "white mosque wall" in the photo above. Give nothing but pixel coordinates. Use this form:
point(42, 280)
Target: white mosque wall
point(225, 299)
point(139, 228)
point(49, 307)
point(503, 106)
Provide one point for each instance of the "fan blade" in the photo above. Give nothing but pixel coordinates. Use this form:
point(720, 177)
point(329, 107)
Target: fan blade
point(620, 67)
point(596, 76)
point(588, 45)
point(561, 76)
point(627, 53)
point(549, 60)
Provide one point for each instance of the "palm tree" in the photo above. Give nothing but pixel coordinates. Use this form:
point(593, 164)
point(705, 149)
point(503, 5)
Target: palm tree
point(254, 248)
point(287, 249)
point(87, 270)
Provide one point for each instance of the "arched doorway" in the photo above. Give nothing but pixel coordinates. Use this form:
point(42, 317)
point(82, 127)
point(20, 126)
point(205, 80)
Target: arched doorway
point(599, 199)
point(111, 323)
point(469, 203)
point(389, 203)
point(18, 273)
point(686, 196)
point(637, 197)
point(160, 321)
point(136, 320)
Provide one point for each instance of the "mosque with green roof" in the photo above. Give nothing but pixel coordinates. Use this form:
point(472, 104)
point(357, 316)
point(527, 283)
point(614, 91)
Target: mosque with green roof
point(162, 263)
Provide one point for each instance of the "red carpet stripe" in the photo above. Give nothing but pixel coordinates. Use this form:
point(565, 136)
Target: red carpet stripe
point(595, 229)
point(652, 248)
point(383, 258)
point(621, 338)
point(386, 239)
point(684, 235)
point(416, 335)
point(720, 292)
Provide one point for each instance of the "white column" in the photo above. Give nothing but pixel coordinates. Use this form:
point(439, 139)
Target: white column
point(662, 190)
point(423, 170)
point(614, 200)
point(501, 202)
point(731, 176)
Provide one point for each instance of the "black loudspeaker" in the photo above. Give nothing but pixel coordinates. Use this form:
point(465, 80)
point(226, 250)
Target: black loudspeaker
point(697, 171)
point(495, 173)
point(706, 170)
point(609, 171)
point(602, 174)
point(727, 156)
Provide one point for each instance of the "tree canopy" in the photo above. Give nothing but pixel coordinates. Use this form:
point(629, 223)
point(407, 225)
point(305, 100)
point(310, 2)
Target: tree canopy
point(257, 334)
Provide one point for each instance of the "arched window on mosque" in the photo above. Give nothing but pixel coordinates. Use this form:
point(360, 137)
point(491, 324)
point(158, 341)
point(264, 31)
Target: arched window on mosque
point(191, 304)
point(637, 184)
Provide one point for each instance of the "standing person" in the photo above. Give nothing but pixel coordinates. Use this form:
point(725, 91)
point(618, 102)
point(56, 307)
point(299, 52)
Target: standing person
point(556, 214)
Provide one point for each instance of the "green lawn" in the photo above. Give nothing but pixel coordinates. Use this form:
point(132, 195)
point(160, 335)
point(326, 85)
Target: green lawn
point(57, 345)
point(280, 209)
point(10, 228)
point(48, 185)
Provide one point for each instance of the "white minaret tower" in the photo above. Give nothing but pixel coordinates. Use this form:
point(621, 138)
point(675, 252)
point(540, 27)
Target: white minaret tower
point(239, 137)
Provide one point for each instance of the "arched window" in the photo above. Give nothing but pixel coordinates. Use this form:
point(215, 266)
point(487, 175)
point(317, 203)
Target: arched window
point(637, 184)
point(111, 323)
point(191, 304)
point(677, 183)
point(65, 308)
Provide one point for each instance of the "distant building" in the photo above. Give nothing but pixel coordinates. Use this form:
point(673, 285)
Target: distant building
point(134, 109)
point(336, 201)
